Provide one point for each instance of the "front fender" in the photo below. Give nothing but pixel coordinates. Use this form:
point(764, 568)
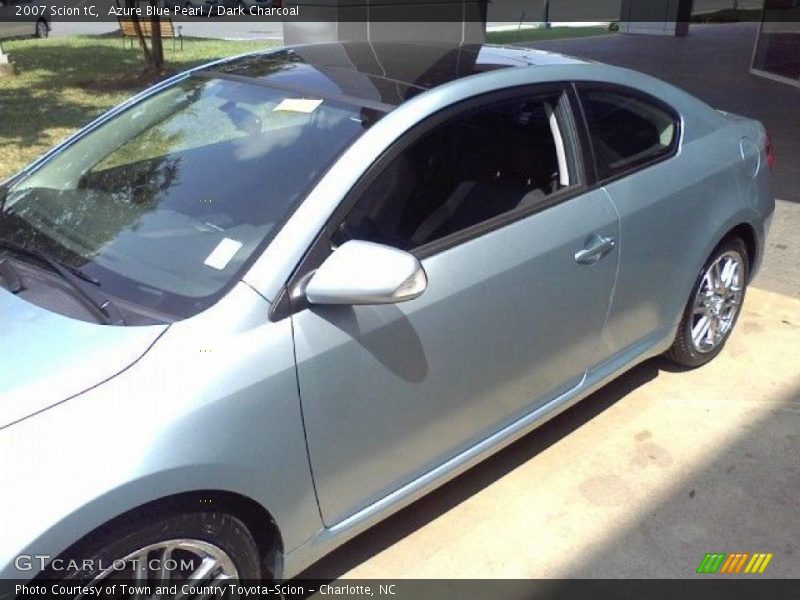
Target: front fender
point(213, 406)
point(29, 545)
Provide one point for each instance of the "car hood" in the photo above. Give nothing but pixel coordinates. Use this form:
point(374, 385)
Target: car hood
point(46, 357)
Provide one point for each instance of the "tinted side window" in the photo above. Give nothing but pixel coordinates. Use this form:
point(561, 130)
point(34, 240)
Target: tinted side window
point(626, 130)
point(486, 162)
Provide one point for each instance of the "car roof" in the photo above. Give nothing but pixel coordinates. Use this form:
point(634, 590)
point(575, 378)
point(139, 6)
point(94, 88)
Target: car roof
point(383, 74)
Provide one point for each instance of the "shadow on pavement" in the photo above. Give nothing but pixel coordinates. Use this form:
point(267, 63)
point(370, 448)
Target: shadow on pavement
point(736, 500)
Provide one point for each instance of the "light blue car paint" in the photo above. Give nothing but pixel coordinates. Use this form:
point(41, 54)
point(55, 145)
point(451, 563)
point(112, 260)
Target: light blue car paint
point(98, 420)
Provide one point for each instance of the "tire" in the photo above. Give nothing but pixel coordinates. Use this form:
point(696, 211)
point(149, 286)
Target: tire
point(42, 29)
point(720, 304)
point(191, 538)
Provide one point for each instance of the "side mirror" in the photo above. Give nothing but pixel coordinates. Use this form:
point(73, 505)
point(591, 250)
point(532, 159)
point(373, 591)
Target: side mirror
point(365, 273)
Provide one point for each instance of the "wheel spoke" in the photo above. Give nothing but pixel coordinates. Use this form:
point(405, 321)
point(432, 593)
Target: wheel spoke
point(716, 275)
point(209, 562)
point(708, 283)
point(201, 573)
point(728, 273)
point(735, 270)
point(205, 569)
point(717, 301)
point(163, 572)
point(700, 330)
point(218, 579)
point(713, 330)
point(139, 574)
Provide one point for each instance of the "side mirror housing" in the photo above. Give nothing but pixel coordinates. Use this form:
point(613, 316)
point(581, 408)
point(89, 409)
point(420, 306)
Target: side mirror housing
point(360, 272)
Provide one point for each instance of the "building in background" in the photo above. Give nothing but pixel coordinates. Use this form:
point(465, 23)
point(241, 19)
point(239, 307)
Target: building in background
point(777, 49)
point(445, 21)
point(776, 53)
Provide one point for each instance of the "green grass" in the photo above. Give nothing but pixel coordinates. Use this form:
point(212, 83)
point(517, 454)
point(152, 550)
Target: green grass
point(63, 83)
point(529, 34)
point(728, 15)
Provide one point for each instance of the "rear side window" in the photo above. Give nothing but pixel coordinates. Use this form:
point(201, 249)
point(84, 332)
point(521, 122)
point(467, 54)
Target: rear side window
point(627, 131)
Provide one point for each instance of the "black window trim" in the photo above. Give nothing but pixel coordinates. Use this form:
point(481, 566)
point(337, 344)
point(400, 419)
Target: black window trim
point(588, 147)
point(291, 298)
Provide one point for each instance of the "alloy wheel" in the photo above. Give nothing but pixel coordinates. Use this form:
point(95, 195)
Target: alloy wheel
point(178, 561)
point(717, 301)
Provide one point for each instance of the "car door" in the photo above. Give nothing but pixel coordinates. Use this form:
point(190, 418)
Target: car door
point(635, 138)
point(520, 262)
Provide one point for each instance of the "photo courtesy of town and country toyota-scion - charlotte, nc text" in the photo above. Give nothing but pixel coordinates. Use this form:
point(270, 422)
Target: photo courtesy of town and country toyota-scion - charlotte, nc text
point(218, 590)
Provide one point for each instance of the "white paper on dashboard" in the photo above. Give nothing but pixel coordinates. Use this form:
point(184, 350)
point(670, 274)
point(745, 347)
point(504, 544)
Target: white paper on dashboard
point(222, 254)
point(298, 105)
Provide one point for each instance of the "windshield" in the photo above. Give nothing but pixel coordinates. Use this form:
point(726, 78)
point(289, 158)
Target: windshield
point(165, 203)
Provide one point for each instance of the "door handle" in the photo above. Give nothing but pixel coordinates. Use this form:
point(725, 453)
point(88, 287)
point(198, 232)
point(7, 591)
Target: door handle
point(596, 248)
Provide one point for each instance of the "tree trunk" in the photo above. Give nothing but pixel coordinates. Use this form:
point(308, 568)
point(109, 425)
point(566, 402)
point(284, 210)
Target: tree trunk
point(148, 61)
point(156, 47)
point(154, 54)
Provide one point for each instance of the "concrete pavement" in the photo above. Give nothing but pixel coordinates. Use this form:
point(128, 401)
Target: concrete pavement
point(640, 479)
point(781, 269)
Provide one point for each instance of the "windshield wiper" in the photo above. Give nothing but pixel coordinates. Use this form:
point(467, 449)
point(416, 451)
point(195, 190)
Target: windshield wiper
point(13, 281)
point(104, 307)
point(50, 261)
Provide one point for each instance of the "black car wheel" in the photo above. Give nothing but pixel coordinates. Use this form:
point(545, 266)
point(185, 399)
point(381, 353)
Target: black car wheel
point(42, 29)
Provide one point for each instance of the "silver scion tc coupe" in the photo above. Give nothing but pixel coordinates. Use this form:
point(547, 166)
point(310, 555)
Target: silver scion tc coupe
point(267, 303)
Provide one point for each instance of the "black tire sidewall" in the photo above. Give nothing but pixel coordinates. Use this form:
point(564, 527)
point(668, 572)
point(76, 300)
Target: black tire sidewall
point(115, 542)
